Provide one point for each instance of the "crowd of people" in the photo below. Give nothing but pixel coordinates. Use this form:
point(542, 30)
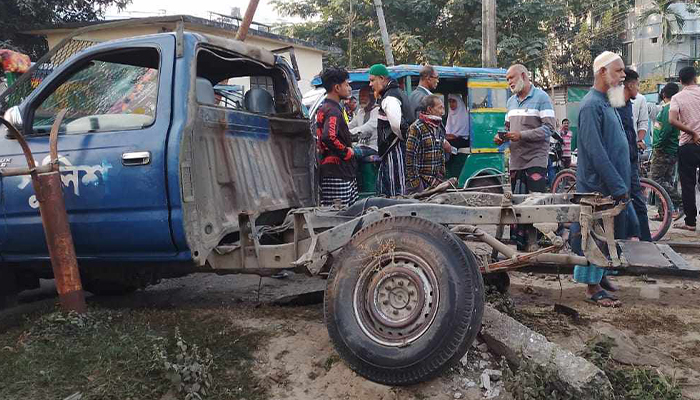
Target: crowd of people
point(408, 136)
point(405, 133)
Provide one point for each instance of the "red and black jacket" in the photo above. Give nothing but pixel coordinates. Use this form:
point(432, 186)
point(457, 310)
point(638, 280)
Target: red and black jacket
point(334, 142)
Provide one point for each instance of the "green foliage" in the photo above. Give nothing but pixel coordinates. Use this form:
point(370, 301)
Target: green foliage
point(501, 301)
point(586, 30)
point(670, 22)
point(553, 38)
point(332, 359)
point(533, 382)
point(669, 17)
point(19, 16)
point(108, 355)
point(445, 32)
point(630, 383)
point(187, 367)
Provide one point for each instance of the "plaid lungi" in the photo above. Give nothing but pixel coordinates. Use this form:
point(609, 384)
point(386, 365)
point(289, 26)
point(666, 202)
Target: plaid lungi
point(333, 189)
point(391, 178)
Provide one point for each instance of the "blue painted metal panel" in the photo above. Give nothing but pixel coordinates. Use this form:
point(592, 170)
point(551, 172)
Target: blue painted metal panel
point(181, 84)
point(114, 211)
point(241, 125)
point(399, 71)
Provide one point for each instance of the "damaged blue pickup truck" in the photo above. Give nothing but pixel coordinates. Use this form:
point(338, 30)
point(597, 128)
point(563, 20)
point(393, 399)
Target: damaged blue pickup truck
point(156, 164)
point(182, 152)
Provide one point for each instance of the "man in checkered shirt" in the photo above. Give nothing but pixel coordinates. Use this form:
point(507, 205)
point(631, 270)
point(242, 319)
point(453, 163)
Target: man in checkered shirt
point(425, 155)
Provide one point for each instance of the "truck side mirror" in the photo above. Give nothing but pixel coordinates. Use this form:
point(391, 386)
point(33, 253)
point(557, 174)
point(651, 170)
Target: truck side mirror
point(13, 115)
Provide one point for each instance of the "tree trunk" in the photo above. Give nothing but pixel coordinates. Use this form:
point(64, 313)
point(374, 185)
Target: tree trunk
point(385, 34)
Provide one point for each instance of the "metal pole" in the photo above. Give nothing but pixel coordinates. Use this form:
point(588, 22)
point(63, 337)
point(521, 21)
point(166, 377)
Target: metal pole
point(488, 33)
point(247, 20)
point(350, 21)
point(385, 34)
point(52, 207)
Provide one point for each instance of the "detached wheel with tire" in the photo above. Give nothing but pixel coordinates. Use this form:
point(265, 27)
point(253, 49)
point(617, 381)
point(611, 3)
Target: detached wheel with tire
point(404, 301)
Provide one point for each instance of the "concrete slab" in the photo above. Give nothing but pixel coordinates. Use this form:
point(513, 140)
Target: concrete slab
point(519, 344)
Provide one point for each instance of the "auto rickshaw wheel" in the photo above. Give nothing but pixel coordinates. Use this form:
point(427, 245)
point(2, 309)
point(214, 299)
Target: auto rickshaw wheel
point(404, 301)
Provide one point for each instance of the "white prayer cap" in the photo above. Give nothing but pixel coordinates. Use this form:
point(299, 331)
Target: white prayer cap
point(604, 59)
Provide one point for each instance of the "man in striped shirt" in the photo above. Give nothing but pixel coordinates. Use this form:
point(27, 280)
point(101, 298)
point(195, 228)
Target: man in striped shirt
point(530, 122)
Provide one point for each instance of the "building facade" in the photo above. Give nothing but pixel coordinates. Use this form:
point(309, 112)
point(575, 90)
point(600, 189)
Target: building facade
point(644, 48)
point(309, 56)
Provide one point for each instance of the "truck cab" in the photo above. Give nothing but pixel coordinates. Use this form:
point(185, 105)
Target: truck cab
point(167, 140)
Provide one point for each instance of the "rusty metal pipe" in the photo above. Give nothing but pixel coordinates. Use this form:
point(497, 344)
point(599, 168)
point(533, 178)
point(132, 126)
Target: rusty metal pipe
point(486, 238)
point(53, 138)
point(562, 259)
point(19, 171)
point(59, 241)
point(247, 20)
point(46, 181)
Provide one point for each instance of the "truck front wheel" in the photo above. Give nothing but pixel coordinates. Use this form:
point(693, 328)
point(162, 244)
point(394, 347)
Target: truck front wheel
point(404, 301)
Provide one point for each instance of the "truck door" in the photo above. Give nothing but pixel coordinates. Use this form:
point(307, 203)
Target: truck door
point(111, 150)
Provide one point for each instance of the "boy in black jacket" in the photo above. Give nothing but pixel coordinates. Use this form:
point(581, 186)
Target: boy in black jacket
point(338, 166)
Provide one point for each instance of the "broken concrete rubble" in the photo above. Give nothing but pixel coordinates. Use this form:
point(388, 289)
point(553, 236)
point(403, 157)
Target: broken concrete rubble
point(519, 344)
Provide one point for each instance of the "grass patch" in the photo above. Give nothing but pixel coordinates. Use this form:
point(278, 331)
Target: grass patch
point(631, 383)
point(115, 355)
point(533, 382)
point(332, 359)
point(500, 301)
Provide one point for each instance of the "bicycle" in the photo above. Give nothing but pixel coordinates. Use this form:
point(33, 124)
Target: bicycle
point(659, 206)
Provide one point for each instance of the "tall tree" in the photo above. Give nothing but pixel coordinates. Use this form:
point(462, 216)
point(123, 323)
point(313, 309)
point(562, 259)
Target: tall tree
point(669, 18)
point(556, 39)
point(446, 32)
point(578, 38)
point(19, 16)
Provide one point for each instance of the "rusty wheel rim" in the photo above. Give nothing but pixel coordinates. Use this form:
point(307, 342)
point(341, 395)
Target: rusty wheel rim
point(396, 298)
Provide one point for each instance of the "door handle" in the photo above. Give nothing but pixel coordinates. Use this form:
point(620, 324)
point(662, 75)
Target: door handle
point(136, 158)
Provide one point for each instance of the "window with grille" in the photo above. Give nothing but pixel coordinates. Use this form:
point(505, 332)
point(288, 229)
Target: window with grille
point(111, 92)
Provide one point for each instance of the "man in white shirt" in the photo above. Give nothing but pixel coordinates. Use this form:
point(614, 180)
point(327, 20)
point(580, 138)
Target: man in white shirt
point(392, 126)
point(640, 114)
point(364, 125)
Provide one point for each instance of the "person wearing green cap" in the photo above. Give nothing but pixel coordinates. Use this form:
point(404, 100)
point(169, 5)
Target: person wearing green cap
point(392, 125)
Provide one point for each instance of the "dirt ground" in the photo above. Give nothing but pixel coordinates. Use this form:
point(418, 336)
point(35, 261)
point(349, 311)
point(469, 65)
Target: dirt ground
point(298, 360)
point(658, 327)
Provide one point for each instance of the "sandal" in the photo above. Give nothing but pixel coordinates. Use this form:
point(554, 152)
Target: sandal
point(676, 215)
point(607, 285)
point(683, 226)
point(602, 295)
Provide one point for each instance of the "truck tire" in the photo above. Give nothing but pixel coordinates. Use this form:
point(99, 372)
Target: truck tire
point(404, 301)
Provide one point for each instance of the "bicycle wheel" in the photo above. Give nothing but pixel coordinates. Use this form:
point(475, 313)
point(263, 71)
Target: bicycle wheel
point(658, 208)
point(565, 181)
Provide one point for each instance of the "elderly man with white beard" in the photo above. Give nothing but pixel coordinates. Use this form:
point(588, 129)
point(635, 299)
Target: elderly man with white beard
point(604, 164)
